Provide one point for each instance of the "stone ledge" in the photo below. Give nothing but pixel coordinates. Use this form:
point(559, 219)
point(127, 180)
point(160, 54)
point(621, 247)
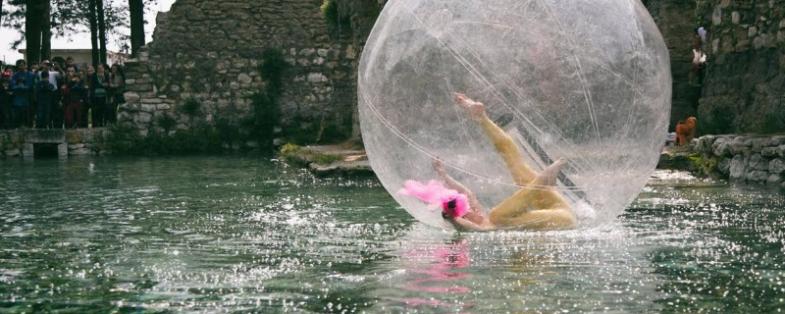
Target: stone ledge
point(329, 160)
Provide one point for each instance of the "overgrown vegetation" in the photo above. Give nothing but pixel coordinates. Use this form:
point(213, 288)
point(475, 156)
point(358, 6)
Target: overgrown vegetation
point(200, 139)
point(296, 154)
point(228, 132)
point(706, 166)
point(265, 103)
point(337, 23)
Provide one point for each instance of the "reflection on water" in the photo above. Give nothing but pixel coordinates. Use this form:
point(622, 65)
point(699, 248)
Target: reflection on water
point(437, 270)
point(231, 234)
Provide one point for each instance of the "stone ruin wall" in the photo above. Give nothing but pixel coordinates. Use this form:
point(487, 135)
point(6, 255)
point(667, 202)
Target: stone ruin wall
point(744, 88)
point(745, 159)
point(744, 81)
point(676, 20)
point(210, 51)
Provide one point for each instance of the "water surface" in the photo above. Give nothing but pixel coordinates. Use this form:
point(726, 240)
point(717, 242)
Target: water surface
point(237, 234)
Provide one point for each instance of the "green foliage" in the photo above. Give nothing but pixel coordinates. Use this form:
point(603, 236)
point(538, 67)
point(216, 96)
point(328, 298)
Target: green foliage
point(126, 140)
point(330, 10)
point(289, 149)
point(70, 17)
point(336, 22)
point(774, 122)
point(228, 131)
point(191, 108)
point(264, 104)
point(716, 118)
point(294, 153)
point(704, 165)
point(272, 70)
point(166, 122)
point(324, 159)
point(121, 139)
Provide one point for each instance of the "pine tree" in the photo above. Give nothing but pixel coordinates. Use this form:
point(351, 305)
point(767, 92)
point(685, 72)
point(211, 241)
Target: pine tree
point(136, 8)
point(101, 15)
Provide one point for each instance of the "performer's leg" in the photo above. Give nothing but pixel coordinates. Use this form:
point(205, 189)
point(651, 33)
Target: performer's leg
point(521, 172)
point(537, 204)
point(543, 219)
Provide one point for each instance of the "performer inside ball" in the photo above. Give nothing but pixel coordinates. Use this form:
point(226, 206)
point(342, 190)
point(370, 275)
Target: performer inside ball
point(535, 206)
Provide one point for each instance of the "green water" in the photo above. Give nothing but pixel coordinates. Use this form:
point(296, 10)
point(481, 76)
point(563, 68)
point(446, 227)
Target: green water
point(238, 235)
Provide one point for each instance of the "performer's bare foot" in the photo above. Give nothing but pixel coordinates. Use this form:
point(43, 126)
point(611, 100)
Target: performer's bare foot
point(548, 177)
point(475, 109)
point(438, 166)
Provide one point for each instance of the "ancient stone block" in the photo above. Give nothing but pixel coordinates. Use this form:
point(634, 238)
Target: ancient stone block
point(721, 147)
point(757, 162)
point(28, 150)
point(738, 167)
point(79, 151)
point(151, 101)
point(723, 167)
point(769, 152)
point(739, 145)
point(131, 97)
point(317, 78)
point(777, 166)
point(148, 108)
point(757, 176)
point(774, 179)
point(244, 78)
point(143, 118)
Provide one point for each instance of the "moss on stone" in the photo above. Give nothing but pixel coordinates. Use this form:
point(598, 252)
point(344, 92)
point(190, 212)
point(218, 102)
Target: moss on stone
point(703, 165)
point(73, 137)
point(297, 154)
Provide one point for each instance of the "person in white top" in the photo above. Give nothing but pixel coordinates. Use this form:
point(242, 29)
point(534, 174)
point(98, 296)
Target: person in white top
point(698, 63)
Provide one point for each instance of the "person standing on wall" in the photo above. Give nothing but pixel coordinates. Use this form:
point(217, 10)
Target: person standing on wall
point(21, 84)
point(6, 98)
point(47, 106)
point(87, 105)
point(116, 90)
point(99, 83)
point(74, 97)
point(57, 110)
point(44, 94)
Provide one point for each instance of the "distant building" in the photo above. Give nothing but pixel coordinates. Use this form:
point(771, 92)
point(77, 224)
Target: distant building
point(84, 56)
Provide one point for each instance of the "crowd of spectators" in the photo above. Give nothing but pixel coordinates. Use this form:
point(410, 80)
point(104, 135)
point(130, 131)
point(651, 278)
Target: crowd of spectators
point(59, 94)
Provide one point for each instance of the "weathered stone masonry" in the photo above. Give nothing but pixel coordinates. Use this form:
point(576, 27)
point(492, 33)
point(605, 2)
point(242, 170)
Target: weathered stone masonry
point(76, 142)
point(750, 159)
point(210, 51)
point(744, 89)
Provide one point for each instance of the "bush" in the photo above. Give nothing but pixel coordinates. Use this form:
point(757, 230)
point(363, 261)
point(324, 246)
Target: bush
point(191, 108)
point(706, 166)
point(329, 10)
point(265, 110)
point(200, 139)
point(336, 22)
point(167, 123)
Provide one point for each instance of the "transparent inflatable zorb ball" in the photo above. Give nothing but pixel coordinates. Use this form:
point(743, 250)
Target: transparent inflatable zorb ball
point(584, 80)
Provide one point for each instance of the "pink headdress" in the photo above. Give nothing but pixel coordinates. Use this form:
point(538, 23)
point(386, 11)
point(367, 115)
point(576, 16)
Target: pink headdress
point(450, 201)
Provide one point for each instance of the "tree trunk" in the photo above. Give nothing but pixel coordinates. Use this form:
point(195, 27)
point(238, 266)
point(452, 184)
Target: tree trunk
point(46, 30)
point(91, 16)
point(101, 14)
point(33, 30)
point(137, 25)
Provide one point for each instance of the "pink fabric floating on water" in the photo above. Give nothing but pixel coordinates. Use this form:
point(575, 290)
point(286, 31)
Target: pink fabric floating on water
point(435, 193)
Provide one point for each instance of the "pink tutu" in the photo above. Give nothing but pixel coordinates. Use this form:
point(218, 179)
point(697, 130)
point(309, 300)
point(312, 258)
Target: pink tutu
point(435, 193)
